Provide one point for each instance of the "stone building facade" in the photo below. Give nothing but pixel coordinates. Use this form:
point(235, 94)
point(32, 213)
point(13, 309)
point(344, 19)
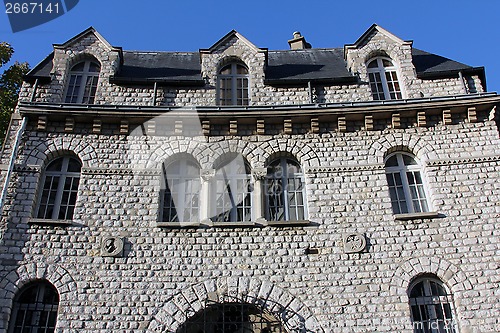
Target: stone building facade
point(240, 189)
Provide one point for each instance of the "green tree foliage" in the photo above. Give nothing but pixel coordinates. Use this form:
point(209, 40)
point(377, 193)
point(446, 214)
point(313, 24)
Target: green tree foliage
point(10, 83)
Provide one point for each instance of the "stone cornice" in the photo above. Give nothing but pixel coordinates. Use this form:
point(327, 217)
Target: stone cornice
point(123, 172)
point(272, 111)
point(344, 168)
point(468, 160)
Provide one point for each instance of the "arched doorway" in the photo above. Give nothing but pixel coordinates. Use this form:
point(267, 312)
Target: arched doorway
point(232, 317)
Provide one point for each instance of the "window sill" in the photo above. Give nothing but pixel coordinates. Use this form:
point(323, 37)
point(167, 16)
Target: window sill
point(417, 216)
point(249, 224)
point(178, 224)
point(49, 221)
point(287, 223)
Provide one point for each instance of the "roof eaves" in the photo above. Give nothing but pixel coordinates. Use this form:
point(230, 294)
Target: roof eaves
point(161, 81)
point(305, 81)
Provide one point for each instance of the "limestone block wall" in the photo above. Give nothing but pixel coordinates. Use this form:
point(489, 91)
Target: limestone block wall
point(166, 274)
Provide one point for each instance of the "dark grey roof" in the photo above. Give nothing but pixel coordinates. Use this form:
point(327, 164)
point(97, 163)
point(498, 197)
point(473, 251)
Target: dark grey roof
point(42, 70)
point(288, 67)
point(428, 64)
point(161, 67)
point(298, 66)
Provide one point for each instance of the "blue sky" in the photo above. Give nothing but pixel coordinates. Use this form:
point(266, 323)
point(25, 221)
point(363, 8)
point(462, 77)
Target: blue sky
point(464, 31)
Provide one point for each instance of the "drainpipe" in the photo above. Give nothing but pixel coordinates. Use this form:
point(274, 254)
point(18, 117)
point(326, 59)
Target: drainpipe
point(33, 93)
point(461, 77)
point(155, 89)
point(309, 87)
point(15, 148)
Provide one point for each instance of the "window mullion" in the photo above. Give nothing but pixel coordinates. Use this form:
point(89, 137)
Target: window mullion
point(284, 181)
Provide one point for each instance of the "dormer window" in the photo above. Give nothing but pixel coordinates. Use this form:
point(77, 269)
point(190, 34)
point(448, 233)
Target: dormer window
point(82, 84)
point(383, 78)
point(232, 85)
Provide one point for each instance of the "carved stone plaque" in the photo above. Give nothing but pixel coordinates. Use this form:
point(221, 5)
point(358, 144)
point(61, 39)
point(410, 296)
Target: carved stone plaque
point(354, 242)
point(112, 247)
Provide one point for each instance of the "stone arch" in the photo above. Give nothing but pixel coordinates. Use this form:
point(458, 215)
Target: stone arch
point(230, 59)
point(283, 306)
point(24, 274)
point(451, 275)
point(246, 149)
point(76, 58)
point(303, 152)
point(46, 151)
point(167, 150)
point(390, 143)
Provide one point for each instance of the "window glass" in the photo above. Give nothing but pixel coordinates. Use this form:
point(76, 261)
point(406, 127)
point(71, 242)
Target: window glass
point(180, 192)
point(383, 78)
point(232, 85)
point(58, 194)
point(82, 83)
point(285, 191)
point(35, 309)
point(431, 307)
point(406, 184)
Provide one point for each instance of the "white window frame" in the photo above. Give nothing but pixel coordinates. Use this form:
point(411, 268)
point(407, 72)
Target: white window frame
point(85, 93)
point(59, 191)
point(234, 78)
point(382, 71)
point(178, 203)
point(408, 198)
point(427, 304)
point(225, 204)
point(275, 181)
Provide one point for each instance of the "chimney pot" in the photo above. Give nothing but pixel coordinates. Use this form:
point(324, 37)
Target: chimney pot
point(298, 42)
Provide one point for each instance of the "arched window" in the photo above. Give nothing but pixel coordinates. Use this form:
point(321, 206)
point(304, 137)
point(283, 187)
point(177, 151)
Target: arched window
point(383, 78)
point(232, 85)
point(232, 317)
point(431, 306)
point(285, 191)
point(60, 186)
point(82, 83)
point(406, 186)
point(180, 191)
point(232, 192)
point(35, 309)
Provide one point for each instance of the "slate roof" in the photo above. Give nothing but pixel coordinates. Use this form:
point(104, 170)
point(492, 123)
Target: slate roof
point(298, 66)
point(162, 67)
point(287, 67)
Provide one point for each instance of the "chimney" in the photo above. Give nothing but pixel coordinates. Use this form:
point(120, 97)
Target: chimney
point(298, 42)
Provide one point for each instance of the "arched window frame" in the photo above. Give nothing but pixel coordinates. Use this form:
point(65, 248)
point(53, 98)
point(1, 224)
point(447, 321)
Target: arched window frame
point(59, 189)
point(180, 191)
point(82, 82)
point(231, 193)
point(35, 308)
point(431, 306)
point(407, 186)
point(234, 316)
point(233, 88)
point(385, 81)
point(285, 191)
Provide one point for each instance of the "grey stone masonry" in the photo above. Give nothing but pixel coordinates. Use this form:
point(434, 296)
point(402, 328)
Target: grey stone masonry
point(347, 266)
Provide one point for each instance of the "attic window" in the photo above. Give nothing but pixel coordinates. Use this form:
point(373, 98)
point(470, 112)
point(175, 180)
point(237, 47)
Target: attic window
point(383, 78)
point(82, 85)
point(232, 85)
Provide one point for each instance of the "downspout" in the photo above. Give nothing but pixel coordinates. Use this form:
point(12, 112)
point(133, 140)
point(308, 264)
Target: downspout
point(13, 155)
point(309, 87)
point(155, 89)
point(33, 93)
point(460, 75)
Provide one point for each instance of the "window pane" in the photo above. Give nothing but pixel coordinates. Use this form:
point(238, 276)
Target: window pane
point(35, 309)
point(82, 83)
